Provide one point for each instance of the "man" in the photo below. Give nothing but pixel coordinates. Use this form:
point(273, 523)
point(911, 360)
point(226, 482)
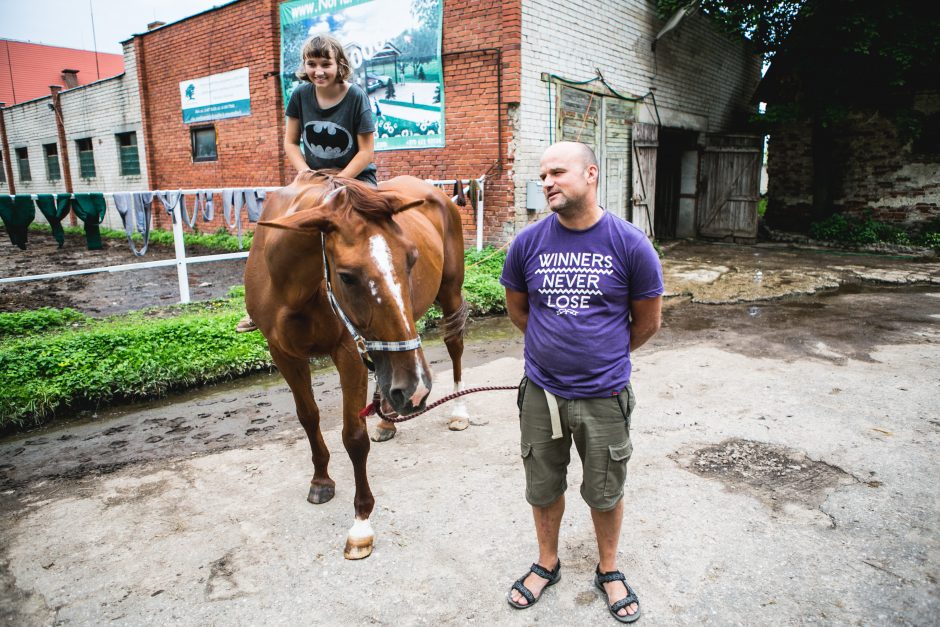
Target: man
point(585, 287)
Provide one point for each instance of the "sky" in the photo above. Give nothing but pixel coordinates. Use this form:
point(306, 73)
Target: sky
point(68, 23)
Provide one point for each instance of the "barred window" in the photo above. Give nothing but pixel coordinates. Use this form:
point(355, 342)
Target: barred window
point(86, 158)
point(53, 172)
point(127, 152)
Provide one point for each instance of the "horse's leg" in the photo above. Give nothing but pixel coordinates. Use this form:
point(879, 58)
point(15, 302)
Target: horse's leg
point(455, 319)
point(354, 379)
point(297, 374)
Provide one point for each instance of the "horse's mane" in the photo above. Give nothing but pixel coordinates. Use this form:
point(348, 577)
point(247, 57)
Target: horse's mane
point(363, 199)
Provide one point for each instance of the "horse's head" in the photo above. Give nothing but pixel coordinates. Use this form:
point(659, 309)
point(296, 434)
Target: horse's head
point(370, 262)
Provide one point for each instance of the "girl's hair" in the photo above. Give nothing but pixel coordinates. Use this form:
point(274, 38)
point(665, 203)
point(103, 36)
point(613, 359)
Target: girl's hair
point(324, 47)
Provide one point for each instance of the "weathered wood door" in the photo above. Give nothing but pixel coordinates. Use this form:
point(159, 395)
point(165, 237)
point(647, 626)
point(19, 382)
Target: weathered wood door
point(604, 123)
point(645, 145)
point(729, 187)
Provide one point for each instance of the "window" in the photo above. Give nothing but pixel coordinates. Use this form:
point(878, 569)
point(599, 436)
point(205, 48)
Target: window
point(22, 162)
point(86, 158)
point(127, 152)
point(204, 148)
point(53, 173)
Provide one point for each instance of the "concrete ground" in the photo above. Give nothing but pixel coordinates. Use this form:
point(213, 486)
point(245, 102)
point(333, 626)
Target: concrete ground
point(785, 464)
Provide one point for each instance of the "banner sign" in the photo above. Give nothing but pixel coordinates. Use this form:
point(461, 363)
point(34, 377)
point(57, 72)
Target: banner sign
point(394, 48)
point(216, 97)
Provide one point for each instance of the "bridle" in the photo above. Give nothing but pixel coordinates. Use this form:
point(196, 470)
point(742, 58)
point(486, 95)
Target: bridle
point(363, 345)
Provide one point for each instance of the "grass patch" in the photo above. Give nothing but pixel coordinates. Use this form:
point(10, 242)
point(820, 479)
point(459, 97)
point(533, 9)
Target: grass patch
point(58, 360)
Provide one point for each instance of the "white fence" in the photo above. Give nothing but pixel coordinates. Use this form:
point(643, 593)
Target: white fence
point(181, 261)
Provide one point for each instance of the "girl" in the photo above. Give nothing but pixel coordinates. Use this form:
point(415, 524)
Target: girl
point(330, 117)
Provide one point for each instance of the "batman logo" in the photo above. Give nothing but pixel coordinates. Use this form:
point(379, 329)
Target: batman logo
point(327, 140)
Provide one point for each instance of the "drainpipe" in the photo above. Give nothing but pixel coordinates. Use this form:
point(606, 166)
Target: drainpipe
point(63, 145)
point(7, 161)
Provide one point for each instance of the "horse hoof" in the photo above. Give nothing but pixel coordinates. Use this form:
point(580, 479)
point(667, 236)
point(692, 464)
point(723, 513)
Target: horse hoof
point(380, 434)
point(357, 548)
point(320, 493)
point(359, 540)
point(458, 424)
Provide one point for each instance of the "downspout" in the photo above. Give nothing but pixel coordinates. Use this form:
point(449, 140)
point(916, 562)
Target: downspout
point(7, 162)
point(63, 145)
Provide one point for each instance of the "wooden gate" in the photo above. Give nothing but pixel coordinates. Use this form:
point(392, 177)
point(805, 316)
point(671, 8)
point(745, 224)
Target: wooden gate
point(728, 187)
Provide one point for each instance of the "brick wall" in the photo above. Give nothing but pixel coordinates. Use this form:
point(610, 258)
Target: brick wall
point(481, 86)
point(703, 80)
point(477, 37)
point(98, 112)
point(234, 36)
point(874, 171)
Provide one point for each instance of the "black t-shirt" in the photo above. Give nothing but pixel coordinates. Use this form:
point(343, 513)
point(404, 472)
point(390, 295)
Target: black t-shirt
point(328, 136)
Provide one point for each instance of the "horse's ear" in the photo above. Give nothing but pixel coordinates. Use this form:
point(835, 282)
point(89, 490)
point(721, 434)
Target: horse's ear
point(397, 203)
point(309, 221)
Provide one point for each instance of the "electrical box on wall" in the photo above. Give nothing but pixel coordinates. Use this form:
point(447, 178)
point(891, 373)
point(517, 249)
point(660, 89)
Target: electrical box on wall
point(534, 197)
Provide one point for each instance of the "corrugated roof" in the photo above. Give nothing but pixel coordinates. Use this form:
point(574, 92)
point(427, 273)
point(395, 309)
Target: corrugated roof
point(27, 69)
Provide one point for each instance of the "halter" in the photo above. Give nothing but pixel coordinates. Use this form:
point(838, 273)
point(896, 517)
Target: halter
point(362, 345)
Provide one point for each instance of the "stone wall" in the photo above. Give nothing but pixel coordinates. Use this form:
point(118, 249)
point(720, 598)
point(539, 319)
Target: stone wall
point(875, 172)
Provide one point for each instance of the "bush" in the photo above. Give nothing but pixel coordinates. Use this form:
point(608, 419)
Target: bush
point(858, 231)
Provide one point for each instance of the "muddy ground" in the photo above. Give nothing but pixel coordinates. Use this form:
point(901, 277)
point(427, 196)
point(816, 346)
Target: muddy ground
point(106, 293)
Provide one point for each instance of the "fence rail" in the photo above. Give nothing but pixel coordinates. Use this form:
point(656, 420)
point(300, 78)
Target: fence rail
point(181, 261)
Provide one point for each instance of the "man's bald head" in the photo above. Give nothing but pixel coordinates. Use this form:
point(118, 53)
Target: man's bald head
point(578, 150)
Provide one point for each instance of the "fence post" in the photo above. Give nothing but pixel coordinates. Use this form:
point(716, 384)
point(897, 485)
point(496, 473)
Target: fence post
point(181, 271)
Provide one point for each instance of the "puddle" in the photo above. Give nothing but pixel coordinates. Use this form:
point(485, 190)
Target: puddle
point(779, 477)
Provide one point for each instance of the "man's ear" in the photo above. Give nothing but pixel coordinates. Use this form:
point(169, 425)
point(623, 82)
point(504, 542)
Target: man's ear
point(313, 220)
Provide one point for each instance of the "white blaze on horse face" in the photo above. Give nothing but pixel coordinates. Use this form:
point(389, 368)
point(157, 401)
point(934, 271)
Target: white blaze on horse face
point(382, 256)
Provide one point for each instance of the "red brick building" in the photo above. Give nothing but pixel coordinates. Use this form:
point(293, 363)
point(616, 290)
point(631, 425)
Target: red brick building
point(481, 75)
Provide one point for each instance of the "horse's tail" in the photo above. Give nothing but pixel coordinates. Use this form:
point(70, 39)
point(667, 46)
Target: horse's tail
point(455, 324)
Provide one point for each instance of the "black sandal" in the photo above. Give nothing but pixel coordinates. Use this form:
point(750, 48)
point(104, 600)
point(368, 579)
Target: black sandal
point(552, 576)
point(615, 575)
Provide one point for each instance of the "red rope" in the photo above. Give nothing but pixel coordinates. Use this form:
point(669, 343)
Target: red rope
point(375, 406)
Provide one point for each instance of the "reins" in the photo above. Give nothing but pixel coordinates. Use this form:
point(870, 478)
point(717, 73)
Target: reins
point(375, 407)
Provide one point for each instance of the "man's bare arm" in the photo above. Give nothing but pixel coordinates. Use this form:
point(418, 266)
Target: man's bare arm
point(645, 320)
point(517, 304)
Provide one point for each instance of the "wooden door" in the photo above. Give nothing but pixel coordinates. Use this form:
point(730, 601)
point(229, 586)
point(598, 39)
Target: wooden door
point(645, 143)
point(729, 187)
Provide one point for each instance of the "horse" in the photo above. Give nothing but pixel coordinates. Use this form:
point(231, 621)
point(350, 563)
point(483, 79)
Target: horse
point(342, 269)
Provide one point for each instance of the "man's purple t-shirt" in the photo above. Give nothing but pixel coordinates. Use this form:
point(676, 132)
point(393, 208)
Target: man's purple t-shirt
point(580, 284)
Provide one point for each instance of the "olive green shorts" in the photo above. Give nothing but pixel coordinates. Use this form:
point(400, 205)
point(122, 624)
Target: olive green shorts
point(600, 429)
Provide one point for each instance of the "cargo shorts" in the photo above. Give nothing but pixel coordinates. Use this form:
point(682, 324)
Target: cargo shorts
point(600, 430)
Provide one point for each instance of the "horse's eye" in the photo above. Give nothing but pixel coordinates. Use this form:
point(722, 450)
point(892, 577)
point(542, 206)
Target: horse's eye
point(347, 278)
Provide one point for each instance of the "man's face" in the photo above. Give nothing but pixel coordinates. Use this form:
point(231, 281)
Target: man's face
point(566, 181)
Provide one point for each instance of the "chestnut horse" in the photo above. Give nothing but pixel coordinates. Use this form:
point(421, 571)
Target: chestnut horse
point(390, 253)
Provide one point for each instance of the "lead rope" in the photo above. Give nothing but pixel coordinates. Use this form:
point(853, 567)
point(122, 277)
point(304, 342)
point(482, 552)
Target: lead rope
point(375, 407)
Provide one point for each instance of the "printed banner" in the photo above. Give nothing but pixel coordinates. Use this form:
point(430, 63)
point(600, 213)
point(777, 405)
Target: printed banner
point(394, 47)
point(216, 97)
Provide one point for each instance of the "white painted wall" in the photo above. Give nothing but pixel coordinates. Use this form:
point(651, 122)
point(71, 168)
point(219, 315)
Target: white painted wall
point(700, 77)
point(98, 111)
